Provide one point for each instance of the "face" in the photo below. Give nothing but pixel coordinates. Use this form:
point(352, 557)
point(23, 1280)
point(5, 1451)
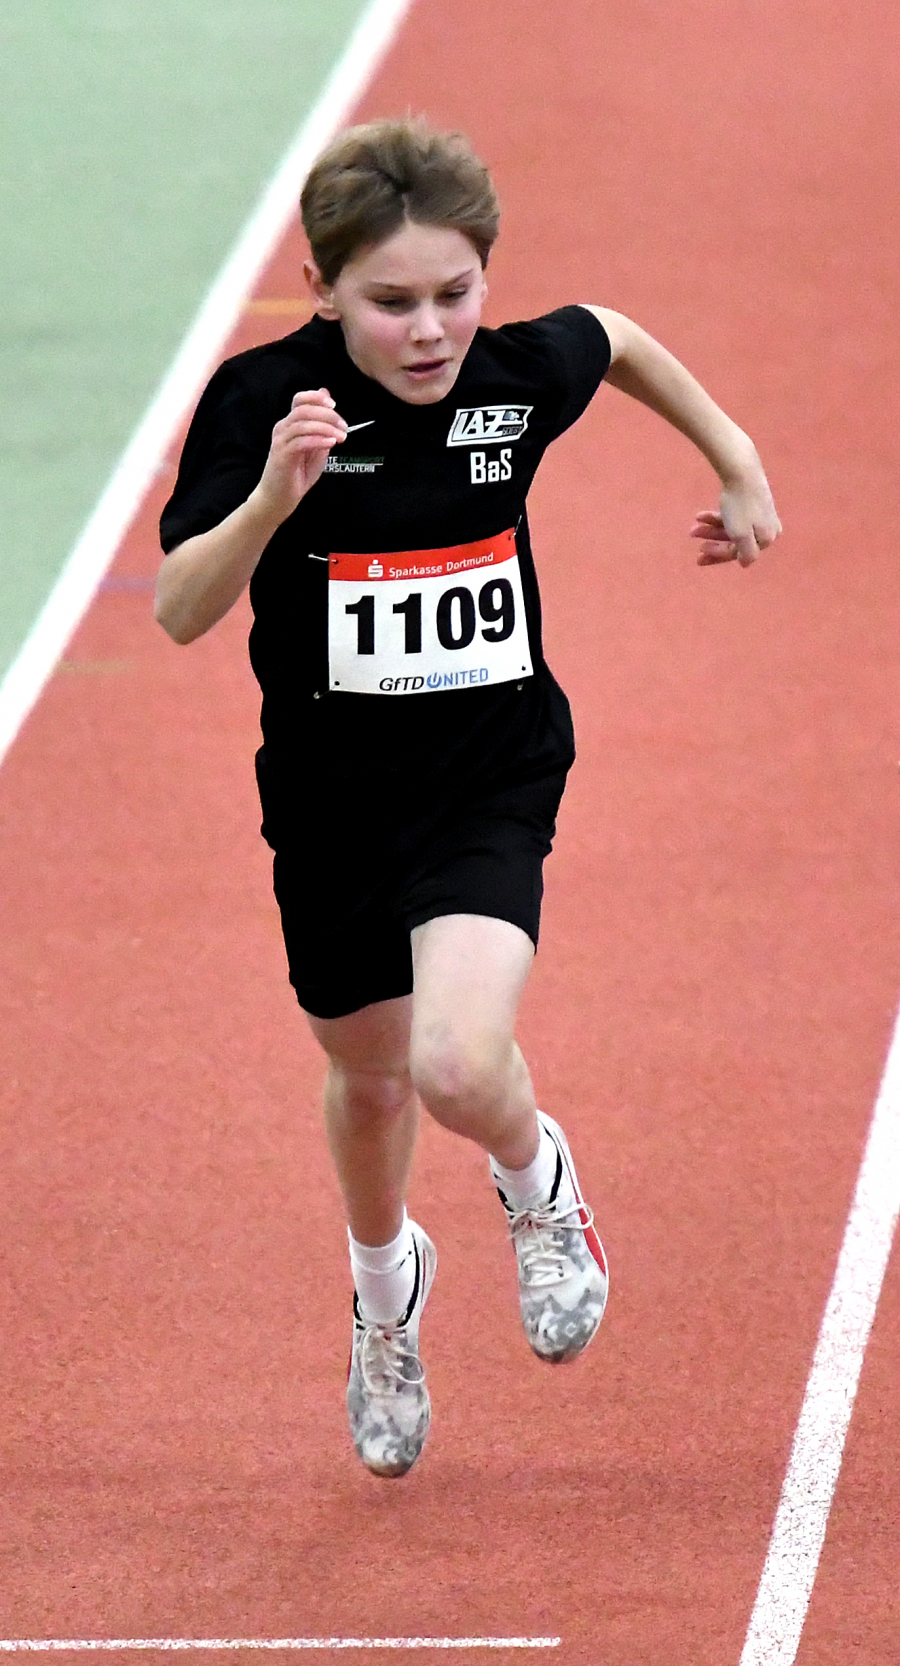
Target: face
point(408, 309)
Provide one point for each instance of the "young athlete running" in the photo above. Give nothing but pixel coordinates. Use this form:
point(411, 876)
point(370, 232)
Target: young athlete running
point(367, 476)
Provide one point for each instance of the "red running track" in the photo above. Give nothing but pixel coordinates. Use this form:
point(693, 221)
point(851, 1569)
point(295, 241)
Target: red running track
point(708, 1015)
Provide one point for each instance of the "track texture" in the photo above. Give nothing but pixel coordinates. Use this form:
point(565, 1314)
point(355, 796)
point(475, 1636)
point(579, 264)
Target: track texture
point(708, 1015)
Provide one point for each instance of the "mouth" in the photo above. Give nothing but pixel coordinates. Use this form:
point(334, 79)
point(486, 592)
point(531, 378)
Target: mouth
point(424, 368)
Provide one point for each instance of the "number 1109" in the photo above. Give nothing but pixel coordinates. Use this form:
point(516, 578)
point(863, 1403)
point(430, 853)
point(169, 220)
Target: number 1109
point(455, 620)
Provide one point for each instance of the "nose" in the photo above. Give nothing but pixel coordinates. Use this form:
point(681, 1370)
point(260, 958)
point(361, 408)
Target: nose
point(426, 324)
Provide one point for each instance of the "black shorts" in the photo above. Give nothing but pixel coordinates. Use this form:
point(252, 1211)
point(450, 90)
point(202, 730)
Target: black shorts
point(348, 905)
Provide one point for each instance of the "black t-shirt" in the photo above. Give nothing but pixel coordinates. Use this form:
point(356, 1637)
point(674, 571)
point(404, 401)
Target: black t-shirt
point(445, 637)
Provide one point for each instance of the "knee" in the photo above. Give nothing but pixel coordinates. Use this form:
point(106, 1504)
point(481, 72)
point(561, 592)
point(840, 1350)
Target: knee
point(369, 1096)
point(455, 1080)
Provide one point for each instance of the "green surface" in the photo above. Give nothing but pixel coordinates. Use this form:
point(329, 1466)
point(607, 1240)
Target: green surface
point(135, 140)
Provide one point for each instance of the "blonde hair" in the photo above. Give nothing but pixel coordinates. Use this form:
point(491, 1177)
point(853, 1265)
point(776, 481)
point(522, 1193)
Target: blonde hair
point(371, 179)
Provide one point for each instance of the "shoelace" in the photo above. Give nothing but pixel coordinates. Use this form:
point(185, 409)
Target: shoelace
point(538, 1237)
point(383, 1354)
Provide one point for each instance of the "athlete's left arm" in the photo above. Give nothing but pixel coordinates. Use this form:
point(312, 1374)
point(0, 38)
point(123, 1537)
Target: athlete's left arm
point(746, 521)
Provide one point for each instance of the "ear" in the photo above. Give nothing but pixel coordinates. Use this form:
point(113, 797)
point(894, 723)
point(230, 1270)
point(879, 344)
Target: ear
point(322, 293)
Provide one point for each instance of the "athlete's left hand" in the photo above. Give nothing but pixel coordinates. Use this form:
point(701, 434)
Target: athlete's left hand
point(745, 523)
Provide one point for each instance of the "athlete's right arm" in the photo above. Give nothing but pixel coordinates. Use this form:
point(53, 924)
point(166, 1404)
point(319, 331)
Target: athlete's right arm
point(202, 578)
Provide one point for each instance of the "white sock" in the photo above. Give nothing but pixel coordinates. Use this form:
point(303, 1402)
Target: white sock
point(528, 1187)
point(384, 1275)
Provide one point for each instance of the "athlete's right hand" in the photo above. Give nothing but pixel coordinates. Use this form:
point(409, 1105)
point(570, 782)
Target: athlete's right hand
point(301, 442)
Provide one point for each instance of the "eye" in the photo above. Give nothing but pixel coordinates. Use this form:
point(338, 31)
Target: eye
point(392, 303)
point(450, 295)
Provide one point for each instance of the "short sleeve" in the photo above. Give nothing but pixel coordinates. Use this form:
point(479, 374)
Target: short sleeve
point(582, 349)
point(223, 457)
point(570, 352)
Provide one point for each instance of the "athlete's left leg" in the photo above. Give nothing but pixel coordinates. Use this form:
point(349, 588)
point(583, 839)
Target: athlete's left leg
point(469, 974)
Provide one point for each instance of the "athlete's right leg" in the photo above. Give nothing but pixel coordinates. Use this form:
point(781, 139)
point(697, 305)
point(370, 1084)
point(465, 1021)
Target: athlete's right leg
point(371, 1113)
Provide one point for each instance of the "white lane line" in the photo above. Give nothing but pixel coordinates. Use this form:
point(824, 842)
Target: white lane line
point(802, 1516)
point(97, 544)
point(37, 1645)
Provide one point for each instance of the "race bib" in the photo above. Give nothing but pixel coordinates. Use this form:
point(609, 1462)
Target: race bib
point(423, 620)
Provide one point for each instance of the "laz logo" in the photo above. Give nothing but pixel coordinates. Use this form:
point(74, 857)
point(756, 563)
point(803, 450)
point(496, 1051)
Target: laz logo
point(484, 470)
point(489, 424)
